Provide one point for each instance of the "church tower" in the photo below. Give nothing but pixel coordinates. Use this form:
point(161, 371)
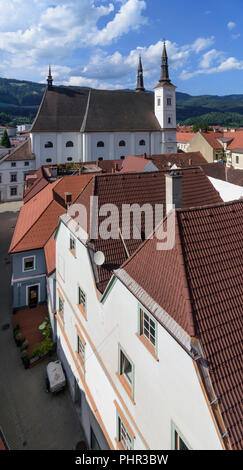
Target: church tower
point(140, 84)
point(165, 107)
point(49, 78)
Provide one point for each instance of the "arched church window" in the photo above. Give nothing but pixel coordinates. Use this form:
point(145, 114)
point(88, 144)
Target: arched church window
point(48, 160)
point(69, 144)
point(69, 159)
point(100, 144)
point(48, 144)
point(142, 142)
point(122, 143)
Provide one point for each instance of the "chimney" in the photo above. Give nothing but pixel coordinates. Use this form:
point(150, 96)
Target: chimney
point(68, 199)
point(173, 190)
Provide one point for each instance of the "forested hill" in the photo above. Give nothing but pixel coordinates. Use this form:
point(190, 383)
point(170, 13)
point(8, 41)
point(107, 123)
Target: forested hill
point(19, 101)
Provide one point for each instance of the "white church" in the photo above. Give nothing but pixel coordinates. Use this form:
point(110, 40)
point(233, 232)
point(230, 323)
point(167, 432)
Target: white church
point(81, 124)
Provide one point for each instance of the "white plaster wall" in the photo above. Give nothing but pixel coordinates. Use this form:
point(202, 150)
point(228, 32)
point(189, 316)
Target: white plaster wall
point(165, 391)
point(59, 152)
point(239, 165)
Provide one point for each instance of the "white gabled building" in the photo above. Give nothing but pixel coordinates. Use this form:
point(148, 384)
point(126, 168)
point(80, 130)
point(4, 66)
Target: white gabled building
point(86, 124)
point(130, 345)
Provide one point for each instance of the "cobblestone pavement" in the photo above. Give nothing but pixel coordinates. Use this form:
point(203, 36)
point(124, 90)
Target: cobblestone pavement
point(29, 417)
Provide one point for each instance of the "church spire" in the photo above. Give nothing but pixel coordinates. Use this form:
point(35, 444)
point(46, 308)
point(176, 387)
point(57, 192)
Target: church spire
point(49, 78)
point(140, 85)
point(164, 66)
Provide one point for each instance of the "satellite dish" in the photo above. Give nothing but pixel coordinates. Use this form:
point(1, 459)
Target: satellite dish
point(99, 258)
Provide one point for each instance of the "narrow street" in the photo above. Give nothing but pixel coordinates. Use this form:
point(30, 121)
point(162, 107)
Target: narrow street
point(30, 418)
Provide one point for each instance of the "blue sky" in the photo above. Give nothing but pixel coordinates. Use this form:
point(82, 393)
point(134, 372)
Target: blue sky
point(97, 42)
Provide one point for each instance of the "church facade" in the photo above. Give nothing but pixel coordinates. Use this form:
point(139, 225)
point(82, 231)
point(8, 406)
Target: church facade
point(80, 125)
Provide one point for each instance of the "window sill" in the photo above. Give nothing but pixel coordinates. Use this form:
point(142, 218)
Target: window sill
point(81, 309)
point(73, 253)
point(126, 386)
point(147, 345)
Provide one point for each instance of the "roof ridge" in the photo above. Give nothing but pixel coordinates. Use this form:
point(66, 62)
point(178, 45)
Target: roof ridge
point(40, 107)
point(82, 129)
point(210, 206)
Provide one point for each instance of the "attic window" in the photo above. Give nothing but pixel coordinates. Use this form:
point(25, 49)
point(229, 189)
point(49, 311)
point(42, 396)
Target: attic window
point(122, 143)
point(100, 144)
point(48, 145)
point(69, 144)
point(142, 142)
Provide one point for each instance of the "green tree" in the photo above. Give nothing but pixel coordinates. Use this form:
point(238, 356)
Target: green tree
point(5, 142)
point(201, 125)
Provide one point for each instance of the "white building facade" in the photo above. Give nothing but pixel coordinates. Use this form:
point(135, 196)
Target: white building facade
point(129, 396)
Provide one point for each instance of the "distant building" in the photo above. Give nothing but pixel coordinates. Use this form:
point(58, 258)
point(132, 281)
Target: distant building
point(10, 130)
point(14, 167)
point(83, 125)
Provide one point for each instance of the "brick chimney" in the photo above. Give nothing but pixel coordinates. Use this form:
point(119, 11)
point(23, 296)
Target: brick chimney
point(173, 190)
point(68, 199)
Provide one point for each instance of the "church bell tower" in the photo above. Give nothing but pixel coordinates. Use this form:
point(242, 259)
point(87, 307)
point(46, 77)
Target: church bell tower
point(165, 107)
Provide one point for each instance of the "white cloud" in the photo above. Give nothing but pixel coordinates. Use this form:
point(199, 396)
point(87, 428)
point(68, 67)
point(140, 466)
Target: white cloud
point(231, 25)
point(209, 57)
point(202, 43)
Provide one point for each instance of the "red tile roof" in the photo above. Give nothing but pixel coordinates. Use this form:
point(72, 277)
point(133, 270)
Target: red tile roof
point(21, 152)
point(139, 188)
point(184, 136)
point(38, 218)
point(164, 161)
point(50, 254)
point(211, 138)
point(237, 140)
point(199, 284)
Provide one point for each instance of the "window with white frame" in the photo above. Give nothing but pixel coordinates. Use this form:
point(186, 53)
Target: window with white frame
point(72, 243)
point(148, 327)
point(126, 371)
point(13, 191)
point(81, 349)
point(124, 438)
point(168, 101)
point(13, 177)
point(29, 263)
point(178, 440)
point(61, 306)
point(81, 298)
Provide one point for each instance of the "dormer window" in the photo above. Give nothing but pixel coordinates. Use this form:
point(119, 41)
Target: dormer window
point(100, 144)
point(48, 144)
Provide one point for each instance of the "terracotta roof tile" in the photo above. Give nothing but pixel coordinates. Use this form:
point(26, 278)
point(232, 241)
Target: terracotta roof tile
point(50, 254)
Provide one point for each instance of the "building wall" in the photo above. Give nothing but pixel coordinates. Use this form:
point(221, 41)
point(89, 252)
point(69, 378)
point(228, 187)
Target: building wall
point(165, 390)
point(199, 144)
point(21, 279)
point(236, 160)
point(6, 170)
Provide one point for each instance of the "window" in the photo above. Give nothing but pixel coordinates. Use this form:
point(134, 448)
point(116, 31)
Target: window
point(81, 349)
point(69, 159)
point(169, 120)
point(122, 157)
point(148, 330)
point(168, 101)
point(29, 263)
point(26, 163)
point(13, 177)
point(61, 307)
point(122, 143)
point(69, 144)
point(48, 145)
point(124, 438)
point(13, 164)
point(13, 191)
point(237, 159)
point(72, 244)
point(142, 142)
point(81, 298)
point(93, 441)
point(48, 160)
point(0, 178)
point(178, 441)
point(126, 372)
point(100, 159)
point(158, 101)
point(100, 144)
